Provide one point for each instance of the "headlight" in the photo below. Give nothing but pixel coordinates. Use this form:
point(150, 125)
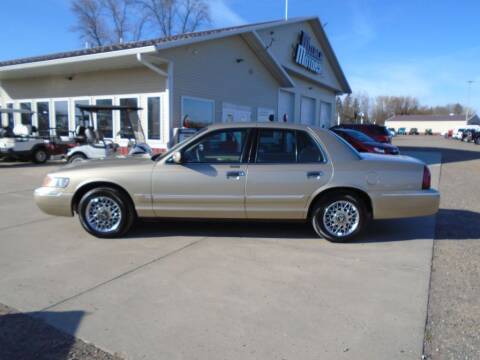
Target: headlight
point(379, 150)
point(55, 182)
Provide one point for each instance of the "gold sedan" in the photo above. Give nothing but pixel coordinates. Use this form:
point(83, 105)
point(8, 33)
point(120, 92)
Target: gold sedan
point(245, 171)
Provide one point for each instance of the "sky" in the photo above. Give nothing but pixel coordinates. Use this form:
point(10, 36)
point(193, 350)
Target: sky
point(423, 48)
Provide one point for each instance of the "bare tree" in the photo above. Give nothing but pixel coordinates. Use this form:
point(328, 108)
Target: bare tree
point(102, 22)
point(91, 24)
point(169, 17)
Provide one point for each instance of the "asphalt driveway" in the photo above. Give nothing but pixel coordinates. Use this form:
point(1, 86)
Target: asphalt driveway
point(186, 290)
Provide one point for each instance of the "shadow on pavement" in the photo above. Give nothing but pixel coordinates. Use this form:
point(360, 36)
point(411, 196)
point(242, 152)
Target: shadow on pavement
point(450, 224)
point(25, 336)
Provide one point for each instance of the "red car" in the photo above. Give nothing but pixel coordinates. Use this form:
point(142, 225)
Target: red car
point(364, 143)
point(377, 132)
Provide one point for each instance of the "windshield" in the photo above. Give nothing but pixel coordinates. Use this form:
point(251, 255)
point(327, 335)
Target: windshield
point(176, 146)
point(358, 135)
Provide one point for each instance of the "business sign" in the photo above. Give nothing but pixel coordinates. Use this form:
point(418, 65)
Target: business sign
point(307, 55)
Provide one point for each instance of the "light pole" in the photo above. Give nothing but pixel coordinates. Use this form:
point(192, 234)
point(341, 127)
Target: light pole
point(286, 10)
point(469, 88)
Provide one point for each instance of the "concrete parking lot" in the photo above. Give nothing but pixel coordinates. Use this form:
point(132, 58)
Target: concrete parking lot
point(187, 290)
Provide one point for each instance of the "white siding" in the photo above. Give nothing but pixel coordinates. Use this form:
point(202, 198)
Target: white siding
point(210, 70)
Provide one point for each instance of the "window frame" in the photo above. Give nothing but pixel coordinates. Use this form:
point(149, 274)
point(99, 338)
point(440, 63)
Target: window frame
point(53, 116)
point(95, 117)
point(182, 108)
point(254, 149)
point(147, 114)
point(244, 158)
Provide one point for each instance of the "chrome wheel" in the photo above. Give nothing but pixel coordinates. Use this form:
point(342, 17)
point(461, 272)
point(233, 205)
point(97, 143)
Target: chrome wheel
point(103, 214)
point(341, 218)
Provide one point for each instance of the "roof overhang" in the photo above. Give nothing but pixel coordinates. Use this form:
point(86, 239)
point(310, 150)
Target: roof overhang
point(77, 64)
point(265, 56)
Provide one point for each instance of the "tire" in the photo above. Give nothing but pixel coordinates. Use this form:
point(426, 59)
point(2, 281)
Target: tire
point(115, 209)
point(333, 204)
point(40, 156)
point(477, 141)
point(76, 157)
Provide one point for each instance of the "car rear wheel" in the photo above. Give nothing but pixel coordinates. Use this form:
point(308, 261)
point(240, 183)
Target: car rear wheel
point(339, 217)
point(76, 157)
point(40, 156)
point(106, 213)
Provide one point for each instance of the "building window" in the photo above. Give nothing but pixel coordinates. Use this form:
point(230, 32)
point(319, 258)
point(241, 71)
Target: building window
point(105, 119)
point(10, 118)
point(153, 118)
point(26, 117)
point(43, 114)
point(61, 117)
point(125, 127)
point(197, 113)
point(79, 121)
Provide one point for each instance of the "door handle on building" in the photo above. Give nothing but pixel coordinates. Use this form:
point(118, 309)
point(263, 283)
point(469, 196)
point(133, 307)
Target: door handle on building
point(235, 174)
point(314, 174)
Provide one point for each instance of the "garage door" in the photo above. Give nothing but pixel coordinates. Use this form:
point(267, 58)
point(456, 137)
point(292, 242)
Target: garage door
point(286, 106)
point(307, 111)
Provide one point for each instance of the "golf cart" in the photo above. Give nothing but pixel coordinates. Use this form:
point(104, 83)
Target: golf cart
point(93, 145)
point(22, 142)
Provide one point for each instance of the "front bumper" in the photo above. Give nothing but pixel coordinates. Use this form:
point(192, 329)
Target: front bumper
point(405, 204)
point(54, 201)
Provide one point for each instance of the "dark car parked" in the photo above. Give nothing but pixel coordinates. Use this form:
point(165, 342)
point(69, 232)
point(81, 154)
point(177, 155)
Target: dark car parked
point(476, 136)
point(377, 132)
point(364, 143)
point(413, 131)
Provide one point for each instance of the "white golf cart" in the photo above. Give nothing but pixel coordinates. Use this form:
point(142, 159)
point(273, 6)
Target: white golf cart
point(22, 142)
point(92, 144)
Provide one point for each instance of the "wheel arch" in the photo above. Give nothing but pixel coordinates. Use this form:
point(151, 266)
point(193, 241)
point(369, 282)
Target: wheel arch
point(84, 188)
point(361, 194)
point(78, 153)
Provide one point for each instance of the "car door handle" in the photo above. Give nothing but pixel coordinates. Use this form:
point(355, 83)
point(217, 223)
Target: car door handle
point(314, 174)
point(235, 174)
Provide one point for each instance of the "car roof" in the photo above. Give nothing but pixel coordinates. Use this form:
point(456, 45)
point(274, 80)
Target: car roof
point(272, 125)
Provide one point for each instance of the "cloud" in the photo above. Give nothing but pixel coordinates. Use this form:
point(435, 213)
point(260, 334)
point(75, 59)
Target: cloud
point(223, 15)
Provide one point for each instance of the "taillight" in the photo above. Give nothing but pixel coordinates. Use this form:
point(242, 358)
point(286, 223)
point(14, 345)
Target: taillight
point(427, 178)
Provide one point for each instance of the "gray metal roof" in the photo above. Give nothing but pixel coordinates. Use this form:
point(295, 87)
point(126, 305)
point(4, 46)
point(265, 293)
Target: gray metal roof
point(135, 44)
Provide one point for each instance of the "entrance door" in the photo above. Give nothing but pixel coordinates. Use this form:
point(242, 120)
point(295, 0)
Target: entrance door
point(209, 181)
point(307, 111)
point(286, 106)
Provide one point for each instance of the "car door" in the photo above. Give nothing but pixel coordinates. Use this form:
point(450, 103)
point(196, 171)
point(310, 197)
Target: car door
point(286, 170)
point(210, 180)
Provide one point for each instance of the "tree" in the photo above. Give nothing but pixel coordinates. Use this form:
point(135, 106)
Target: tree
point(104, 22)
point(90, 22)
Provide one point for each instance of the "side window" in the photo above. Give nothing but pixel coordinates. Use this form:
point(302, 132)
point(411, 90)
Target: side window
point(307, 149)
point(223, 146)
point(276, 146)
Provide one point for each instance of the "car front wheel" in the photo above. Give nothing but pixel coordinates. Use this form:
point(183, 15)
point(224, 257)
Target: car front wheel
point(105, 213)
point(339, 217)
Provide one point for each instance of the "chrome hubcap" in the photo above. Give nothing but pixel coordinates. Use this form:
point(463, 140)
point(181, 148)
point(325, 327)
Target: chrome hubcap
point(103, 214)
point(341, 218)
point(41, 156)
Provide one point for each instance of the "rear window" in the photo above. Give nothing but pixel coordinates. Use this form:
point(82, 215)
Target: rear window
point(371, 129)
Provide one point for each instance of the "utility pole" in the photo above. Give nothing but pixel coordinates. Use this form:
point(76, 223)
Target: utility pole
point(286, 10)
point(469, 88)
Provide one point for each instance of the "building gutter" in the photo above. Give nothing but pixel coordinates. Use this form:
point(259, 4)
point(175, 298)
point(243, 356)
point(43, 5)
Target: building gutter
point(143, 60)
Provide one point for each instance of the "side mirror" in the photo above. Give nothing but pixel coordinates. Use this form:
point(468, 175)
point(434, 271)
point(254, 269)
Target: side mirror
point(177, 157)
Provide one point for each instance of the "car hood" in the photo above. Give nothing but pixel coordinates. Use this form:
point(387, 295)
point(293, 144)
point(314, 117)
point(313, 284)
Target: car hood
point(106, 163)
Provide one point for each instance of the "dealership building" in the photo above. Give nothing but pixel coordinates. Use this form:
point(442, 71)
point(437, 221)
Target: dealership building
point(271, 71)
point(437, 123)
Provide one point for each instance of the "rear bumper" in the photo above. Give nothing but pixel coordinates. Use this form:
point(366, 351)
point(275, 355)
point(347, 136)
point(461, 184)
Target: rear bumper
point(405, 204)
point(53, 201)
